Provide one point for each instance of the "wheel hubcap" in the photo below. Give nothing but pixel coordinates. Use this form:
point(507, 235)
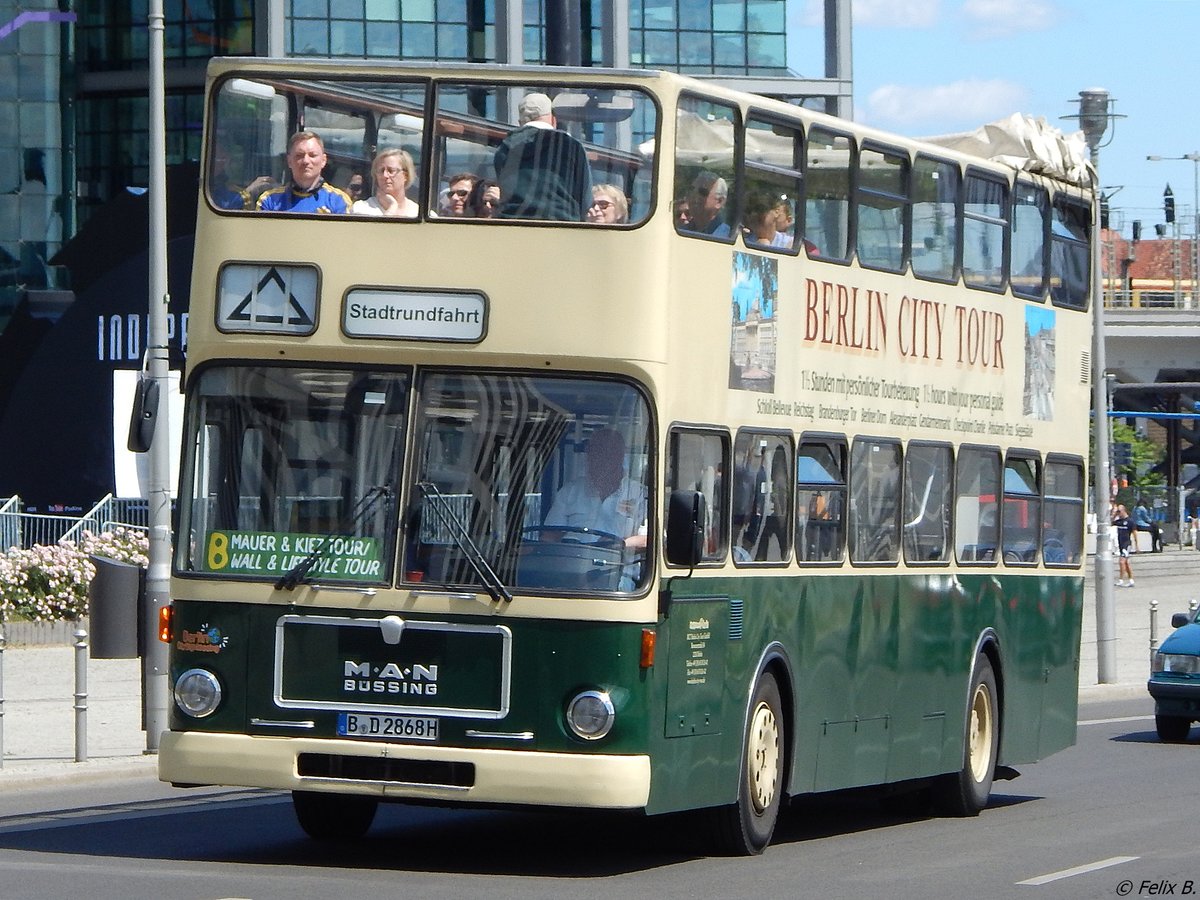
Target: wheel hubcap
point(763, 753)
point(979, 741)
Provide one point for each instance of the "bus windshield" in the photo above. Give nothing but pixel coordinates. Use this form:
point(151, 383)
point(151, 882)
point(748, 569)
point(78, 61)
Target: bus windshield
point(492, 151)
point(548, 477)
point(293, 470)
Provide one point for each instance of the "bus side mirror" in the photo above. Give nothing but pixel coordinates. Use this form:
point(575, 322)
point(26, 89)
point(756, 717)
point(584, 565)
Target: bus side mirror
point(144, 416)
point(686, 513)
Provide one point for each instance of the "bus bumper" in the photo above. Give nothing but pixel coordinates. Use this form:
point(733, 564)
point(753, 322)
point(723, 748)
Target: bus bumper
point(495, 776)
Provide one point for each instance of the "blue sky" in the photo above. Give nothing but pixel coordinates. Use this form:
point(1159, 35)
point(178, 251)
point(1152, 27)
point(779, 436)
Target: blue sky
point(925, 67)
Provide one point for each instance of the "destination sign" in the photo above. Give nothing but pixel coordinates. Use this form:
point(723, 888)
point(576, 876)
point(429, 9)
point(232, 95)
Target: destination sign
point(415, 315)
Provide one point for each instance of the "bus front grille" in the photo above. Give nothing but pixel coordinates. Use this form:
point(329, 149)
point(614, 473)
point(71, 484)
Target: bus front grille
point(397, 771)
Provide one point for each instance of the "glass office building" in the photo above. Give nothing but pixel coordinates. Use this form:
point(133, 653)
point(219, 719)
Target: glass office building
point(73, 85)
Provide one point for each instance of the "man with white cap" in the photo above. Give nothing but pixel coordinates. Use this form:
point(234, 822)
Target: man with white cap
point(543, 172)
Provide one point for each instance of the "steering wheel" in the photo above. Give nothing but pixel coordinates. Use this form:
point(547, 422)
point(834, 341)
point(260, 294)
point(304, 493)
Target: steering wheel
point(605, 539)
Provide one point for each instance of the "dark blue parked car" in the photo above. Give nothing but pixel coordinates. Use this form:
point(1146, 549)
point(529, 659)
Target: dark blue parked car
point(1175, 679)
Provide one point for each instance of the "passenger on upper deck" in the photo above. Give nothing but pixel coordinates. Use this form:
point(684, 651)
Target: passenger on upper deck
point(705, 201)
point(609, 205)
point(485, 199)
point(765, 218)
point(227, 192)
point(456, 203)
point(307, 192)
point(392, 172)
point(543, 172)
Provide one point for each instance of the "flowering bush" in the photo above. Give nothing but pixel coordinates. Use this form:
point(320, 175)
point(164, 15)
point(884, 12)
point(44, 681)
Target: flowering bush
point(50, 582)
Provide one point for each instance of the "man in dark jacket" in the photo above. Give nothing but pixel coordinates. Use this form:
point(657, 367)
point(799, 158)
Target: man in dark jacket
point(543, 172)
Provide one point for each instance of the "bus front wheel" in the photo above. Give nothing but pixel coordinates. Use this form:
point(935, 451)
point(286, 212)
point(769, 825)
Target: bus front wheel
point(334, 817)
point(965, 793)
point(745, 828)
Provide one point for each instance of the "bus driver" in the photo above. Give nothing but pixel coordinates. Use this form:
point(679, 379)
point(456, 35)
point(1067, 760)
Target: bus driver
point(603, 497)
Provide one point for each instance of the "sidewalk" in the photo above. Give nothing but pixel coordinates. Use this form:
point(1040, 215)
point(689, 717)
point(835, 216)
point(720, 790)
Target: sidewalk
point(38, 721)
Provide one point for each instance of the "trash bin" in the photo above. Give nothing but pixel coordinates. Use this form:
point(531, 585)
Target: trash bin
point(113, 603)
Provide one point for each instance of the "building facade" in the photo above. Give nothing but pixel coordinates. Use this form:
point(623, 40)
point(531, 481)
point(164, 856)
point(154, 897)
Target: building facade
point(74, 166)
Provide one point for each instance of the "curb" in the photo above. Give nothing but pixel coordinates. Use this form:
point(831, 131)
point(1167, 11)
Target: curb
point(20, 776)
point(1099, 693)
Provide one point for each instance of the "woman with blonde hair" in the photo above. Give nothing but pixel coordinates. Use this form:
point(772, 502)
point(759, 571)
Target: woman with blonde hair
point(609, 205)
point(392, 171)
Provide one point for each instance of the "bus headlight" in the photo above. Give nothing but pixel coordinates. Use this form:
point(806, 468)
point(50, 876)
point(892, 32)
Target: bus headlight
point(197, 693)
point(590, 715)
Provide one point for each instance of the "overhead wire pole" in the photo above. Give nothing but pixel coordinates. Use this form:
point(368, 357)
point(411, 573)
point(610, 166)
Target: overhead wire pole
point(1093, 119)
point(154, 655)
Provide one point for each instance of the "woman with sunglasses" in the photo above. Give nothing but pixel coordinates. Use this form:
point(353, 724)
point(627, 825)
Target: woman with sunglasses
point(609, 205)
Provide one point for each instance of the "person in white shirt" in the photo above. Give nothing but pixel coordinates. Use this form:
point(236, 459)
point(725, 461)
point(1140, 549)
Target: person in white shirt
point(392, 171)
point(603, 497)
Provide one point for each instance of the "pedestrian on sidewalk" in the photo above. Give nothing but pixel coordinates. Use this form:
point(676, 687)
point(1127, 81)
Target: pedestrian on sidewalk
point(1145, 522)
point(1123, 525)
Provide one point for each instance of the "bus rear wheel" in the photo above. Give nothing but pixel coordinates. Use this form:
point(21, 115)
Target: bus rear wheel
point(965, 793)
point(334, 817)
point(745, 828)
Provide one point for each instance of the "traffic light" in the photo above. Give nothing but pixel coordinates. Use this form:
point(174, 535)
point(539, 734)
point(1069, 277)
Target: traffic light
point(1104, 211)
point(1122, 452)
point(1137, 229)
point(1169, 205)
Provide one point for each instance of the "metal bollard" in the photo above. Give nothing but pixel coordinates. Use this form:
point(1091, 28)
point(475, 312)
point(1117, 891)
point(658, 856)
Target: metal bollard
point(1153, 631)
point(81, 647)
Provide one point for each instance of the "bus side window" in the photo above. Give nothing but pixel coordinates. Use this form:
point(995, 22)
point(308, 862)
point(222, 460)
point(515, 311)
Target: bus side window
point(874, 501)
point(830, 158)
point(697, 461)
point(821, 500)
point(927, 470)
point(1022, 519)
point(976, 525)
point(762, 497)
point(707, 135)
point(1062, 512)
point(935, 189)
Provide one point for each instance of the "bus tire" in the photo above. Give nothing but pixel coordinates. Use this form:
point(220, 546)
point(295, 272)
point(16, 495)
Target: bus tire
point(745, 828)
point(334, 817)
point(1172, 729)
point(965, 792)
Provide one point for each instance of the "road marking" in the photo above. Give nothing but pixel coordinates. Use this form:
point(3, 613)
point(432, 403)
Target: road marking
point(1116, 721)
point(1079, 870)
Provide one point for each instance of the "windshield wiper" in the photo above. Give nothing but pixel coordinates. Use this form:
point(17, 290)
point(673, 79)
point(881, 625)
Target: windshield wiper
point(462, 539)
point(298, 573)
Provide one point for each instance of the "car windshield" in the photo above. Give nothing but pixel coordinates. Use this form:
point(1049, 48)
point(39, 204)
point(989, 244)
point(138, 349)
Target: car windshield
point(547, 477)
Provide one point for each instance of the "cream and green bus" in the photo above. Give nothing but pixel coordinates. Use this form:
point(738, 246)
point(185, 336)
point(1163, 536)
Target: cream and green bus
point(760, 476)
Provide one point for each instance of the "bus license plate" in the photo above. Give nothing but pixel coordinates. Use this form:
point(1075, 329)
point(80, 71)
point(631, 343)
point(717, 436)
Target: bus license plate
point(405, 728)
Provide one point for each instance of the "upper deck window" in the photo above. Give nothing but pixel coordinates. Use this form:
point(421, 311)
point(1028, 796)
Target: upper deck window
point(985, 229)
point(503, 152)
point(1070, 260)
point(827, 202)
point(544, 152)
point(773, 184)
point(935, 190)
point(882, 208)
point(1030, 218)
point(707, 138)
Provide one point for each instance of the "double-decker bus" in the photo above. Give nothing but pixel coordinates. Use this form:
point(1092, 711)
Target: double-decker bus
point(769, 482)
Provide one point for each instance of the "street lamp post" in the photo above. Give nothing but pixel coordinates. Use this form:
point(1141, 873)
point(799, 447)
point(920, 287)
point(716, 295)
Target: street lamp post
point(1094, 116)
point(1194, 159)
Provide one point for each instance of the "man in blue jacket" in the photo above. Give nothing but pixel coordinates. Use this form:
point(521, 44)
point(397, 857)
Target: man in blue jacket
point(307, 192)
